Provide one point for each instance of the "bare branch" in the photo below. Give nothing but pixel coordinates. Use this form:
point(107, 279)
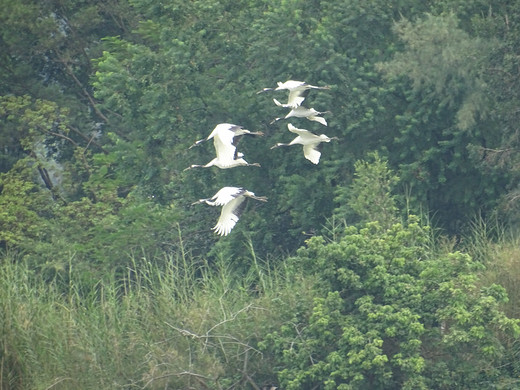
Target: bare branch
point(59, 135)
point(250, 380)
point(233, 316)
point(89, 97)
point(89, 140)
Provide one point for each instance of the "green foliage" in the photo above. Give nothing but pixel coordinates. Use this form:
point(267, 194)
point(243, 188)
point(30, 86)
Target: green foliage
point(444, 117)
point(364, 330)
point(369, 197)
point(495, 245)
point(391, 314)
point(471, 323)
point(441, 57)
point(24, 207)
point(181, 325)
point(99, 102)
point(35, 122)
point(101, 230)
point(47, 48)
point(502, 268)
point(498, 155)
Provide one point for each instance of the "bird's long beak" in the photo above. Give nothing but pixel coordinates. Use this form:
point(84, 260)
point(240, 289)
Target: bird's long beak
point(196, 143)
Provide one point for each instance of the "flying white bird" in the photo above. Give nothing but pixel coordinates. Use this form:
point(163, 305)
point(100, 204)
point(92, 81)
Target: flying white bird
point(295, 99)
point(227, 156)
point(232, 201)
point(303, 112)
point(226, 132)
point(309, 141)
point(298, 91)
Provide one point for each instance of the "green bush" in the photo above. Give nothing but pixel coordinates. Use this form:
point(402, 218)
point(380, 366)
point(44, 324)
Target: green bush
point(393, 314)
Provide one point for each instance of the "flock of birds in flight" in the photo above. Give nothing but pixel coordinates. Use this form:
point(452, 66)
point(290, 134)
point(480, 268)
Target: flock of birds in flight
point(224, 137)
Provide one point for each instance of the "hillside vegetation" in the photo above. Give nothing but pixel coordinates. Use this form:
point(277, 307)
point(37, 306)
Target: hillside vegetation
point(393, 263)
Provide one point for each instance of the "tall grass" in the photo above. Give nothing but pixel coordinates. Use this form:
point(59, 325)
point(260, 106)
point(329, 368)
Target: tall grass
point(498, 249)
point(170, 324)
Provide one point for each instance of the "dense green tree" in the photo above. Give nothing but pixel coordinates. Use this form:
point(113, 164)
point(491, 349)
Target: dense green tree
point(185, 71)
point(501, 23)
point(392, 310)
point(369, 197)
point(102, 228)
point(394, 315)
point(166, 81)
point(447, 117)
point(24, 206)
point(46, 53)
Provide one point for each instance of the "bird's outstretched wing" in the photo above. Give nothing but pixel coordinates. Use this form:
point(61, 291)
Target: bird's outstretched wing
point(229, 216)
point(232, 200)
point(226, 195)
point(318, 119)
point(290, 84)
point(312, 153)
point(296, 98)
point(300, 132)
point(225, 150)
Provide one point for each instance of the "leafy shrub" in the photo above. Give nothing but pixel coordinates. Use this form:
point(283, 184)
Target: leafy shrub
point(392, 314)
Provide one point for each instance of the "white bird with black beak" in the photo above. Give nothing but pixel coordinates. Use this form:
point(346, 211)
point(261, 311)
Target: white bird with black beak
point(232, 201)
point(224, 136)
point(226, 163)
point(226, 132)
point(303, 112)
point(309, 141)
point(298, 91)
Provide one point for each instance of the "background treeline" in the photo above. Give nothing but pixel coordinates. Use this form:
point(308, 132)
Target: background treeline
point(110, 279)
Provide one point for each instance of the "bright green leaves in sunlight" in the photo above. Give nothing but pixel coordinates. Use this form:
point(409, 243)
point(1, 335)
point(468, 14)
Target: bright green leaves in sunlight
point(369, 197)
point(24, 207)
point(33, 121)
point(393, 315)
point(365, 329)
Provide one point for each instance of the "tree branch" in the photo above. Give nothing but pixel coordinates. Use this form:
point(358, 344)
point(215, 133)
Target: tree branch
point(93, 103)
point(89, 140)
